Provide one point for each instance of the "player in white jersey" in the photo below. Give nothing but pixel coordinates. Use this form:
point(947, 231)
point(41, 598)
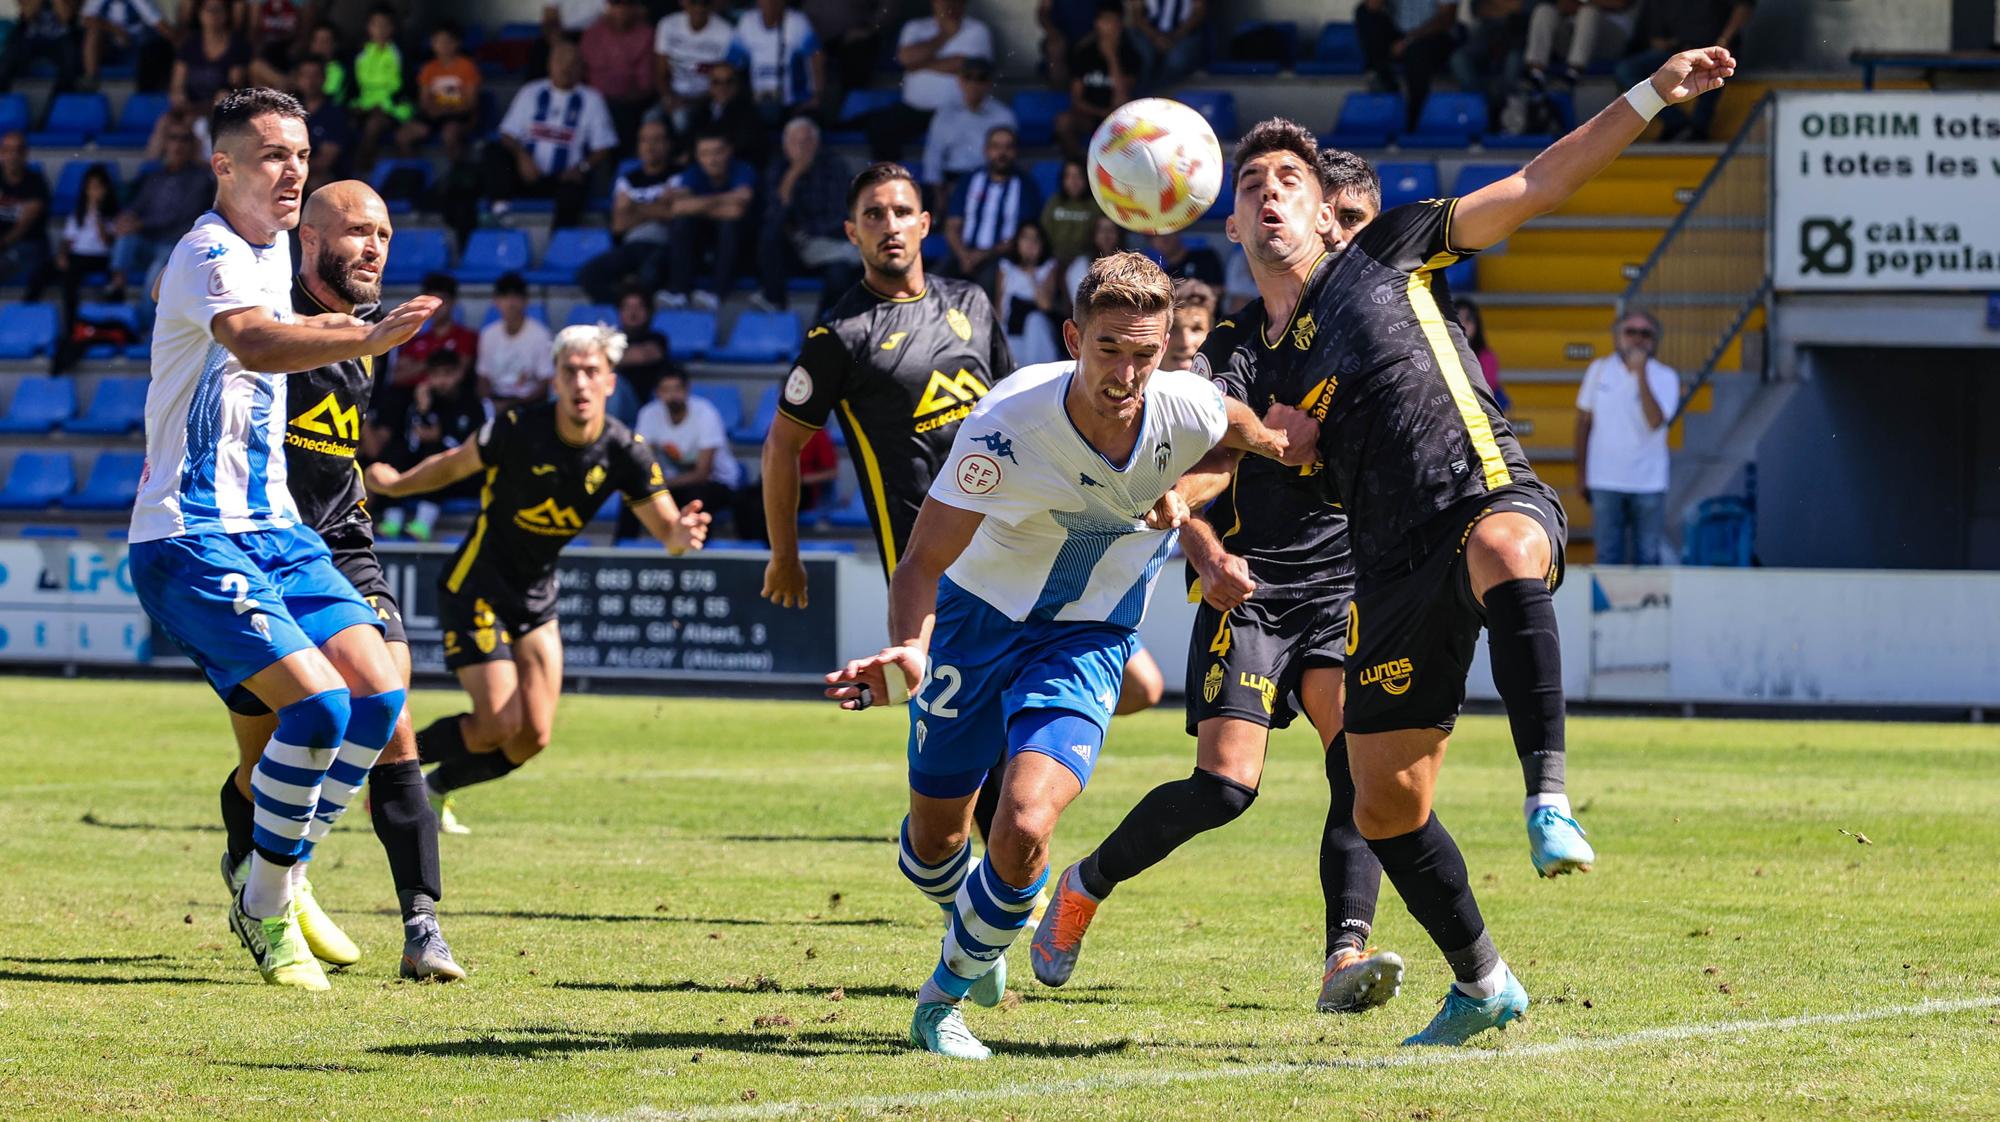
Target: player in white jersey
point(220, 560)
point(1017, 601)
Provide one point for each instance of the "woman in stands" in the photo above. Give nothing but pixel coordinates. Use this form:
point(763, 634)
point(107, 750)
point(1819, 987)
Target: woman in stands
point(1473, 323)
point(84, 249)
point(1025, 295)
point(1069, 215)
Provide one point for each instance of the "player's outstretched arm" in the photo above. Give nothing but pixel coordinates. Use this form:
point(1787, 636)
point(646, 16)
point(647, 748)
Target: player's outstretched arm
point(269, 346)
point(433, 473)
point(678, 528)
point(784, 574)
point(942, 532)
point(1489, 215)
point(1285, 434)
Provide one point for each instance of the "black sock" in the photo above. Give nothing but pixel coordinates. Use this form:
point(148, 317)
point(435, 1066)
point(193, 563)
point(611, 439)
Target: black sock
point(239, 819)
point(1350, 878)
point(1527, 670)
point(473, 767)
point(988, 801)
point(409, 835)
point(442, 740)
point(1169, 815)
point(1429, 872)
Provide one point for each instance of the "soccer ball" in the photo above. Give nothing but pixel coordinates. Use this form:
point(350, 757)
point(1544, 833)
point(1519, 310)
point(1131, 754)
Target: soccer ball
point(1154, 166)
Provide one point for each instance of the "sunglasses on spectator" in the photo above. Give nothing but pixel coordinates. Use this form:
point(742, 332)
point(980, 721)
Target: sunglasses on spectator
point(1639, 332)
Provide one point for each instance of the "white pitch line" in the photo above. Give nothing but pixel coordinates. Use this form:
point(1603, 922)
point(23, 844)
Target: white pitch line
point(1411, 1058)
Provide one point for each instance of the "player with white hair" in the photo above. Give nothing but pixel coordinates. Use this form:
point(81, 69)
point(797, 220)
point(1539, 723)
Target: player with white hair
point(549, 467)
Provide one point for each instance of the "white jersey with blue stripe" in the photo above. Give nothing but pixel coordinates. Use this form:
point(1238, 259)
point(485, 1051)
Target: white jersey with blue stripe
point(215, 432)
point(1064, 536)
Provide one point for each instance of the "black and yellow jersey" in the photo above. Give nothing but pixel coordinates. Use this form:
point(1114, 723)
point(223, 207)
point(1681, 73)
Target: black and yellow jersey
point(324, 407)
point(1410, 428)
point(541, 490)
point(901, 373)
point(1278, 519)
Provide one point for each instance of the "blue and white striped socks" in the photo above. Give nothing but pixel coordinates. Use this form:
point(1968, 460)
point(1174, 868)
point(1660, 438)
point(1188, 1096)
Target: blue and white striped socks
point(939, 883)
point(369, 727)
point(986, 919)
point(285, 786)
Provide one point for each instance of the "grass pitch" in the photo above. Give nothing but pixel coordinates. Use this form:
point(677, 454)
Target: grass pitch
point(691, 908)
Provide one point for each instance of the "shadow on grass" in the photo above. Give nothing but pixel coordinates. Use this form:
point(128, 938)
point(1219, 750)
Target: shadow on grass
point(87, 959)
point(769, 985)
point(536, 1042)
point(304, 1068)
point(116, 980)
point(859, 839)
point(91, 819)
point(661, 917)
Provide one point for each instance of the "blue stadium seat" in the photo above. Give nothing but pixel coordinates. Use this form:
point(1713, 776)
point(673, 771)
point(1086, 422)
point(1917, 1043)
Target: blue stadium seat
point(851, 514)
point(1258, 47)
point(1463, 277)
point(74, 118)
point(518, 31)
point(690, 332)
point(591, 313)
point(43, 530)
point(118, 407)
point(1367, 120)
point(490, 252)
point(1225, 200)
point(761, 337)
point(412, 179)
point(1047, 175)
point(38, 479)
point(113, 482)
point(1564, 104)
point(537, 311)
point(568, 249)
point(413, 253)
point(1218, 107)
point(1722, 532)
point(1338, 51)
point(27, 330)
point(1449, 120)
point(13, 113)
point(609, 511)
point(1407, 183)
point(760, 421)
point(40, 404)
point(1471, 177)
point(1035, 112)
point(98, 312)
point(935, 248)
point(727, 402)
point(69, 185)
point(861, 103)
point(135, 121)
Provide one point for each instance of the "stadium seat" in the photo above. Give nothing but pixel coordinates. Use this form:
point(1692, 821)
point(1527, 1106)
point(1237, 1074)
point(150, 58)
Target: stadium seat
point(69, 185)
point(74, 118)
point(851, 514)
point(1407, 183)
point(113, 482)
point(568, 249)
point(537, 311)
point(935, 248)
point(1225, 200)
point(1367, 120)
point(727, 402)
point(118, 407)
point(40, 404)
point(401, 183)
point(134, 126)
point(1564, 105)
point(27, 330)
point(1218, 107)
point(1449, 120)
point(859, 104)
point(1471, 177)
point(13, 113)
point(92, 311)
point(1337, 51)
point(761, 337)
point(1258, 47)
point(1463, 277)
point(38, 479)
point(1723, 532)
point(43, 530)
point(690, 332)
point(1035, 114)
point(591, 313)
point(1047, 175)
point(491, 251)
point(413, 253)
point(760, 421)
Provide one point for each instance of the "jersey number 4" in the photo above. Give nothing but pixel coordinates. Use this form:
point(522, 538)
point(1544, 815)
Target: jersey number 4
point(1219, 646)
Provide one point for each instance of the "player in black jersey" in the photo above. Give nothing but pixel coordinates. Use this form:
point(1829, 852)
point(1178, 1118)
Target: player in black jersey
point(549, 467)
point(344, 236)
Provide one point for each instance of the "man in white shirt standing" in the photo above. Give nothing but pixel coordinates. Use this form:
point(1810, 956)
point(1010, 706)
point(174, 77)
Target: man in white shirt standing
point(685, 44)
point(1622, 410)
point(931, 52)
point(515, 367)
point(556, 131)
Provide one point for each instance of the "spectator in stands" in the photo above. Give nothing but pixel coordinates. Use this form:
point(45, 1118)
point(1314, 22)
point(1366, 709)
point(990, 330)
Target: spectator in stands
point(786, 67)
point(1173, 253)
point(84, 247)
point(441, 332)
point(1194, 318)
point(24, 217)
point(686, 45)
point(556, 131)
point(1024, 296)
point(516, 361)
point(1488, 60)
point(726, 110)
point(987, 209)
point(1069, 215)
point(178, 119)
point(324, 42)
point(1103, 72)
point(447, 95)
point(1238, 288)
point(617, 51)
point(1665, 29)
point(1064, 24)
point(647, 351)
point(931, 51)
point(1585, 30)
point(1622, 409)
point(567, 20)
point(709, 202)
point(956, 142)
point(805, 220)
point(327, 125)
point(850, 32)
point(445, 411)
point(640, 215)
point(213, 58)
point(381, 103)
point(45, 29)
point(1168, 35)
point(275, 31)
point(1418, 34)
point(1105, 239)
point(134, 29)
point(692, 446)
point(164, 206)
point(1473, 322)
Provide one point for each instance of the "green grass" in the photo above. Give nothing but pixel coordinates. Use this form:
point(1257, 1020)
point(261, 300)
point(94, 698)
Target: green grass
point(660, 914)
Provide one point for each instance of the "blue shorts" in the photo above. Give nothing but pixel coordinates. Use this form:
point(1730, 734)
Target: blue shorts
point(987, 671)
point(236, 603)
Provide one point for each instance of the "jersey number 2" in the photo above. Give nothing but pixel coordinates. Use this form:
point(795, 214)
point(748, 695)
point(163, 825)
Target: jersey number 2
point(940, 706)
point(238, 586)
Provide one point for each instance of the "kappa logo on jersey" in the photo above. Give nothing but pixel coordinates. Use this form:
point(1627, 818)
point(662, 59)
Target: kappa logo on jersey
point(1303, 331)
point(977, 474)
point(550, 519)
point(960, 326)
point(593, 479)
point(1394, 677)
point(1267, 690)
point(1087, 481)
point(947, 400)
point(1211, 683)
point(329, 419)
point(998, 445)
point(799, 386)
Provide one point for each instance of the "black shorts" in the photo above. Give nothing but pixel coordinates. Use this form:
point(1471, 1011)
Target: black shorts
point(481, 622)
point(354, 555)
point(1248, 663)
point(1412, 627)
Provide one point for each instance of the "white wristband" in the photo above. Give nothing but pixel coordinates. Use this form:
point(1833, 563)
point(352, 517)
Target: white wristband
point(900, 687)
point(1645, 100)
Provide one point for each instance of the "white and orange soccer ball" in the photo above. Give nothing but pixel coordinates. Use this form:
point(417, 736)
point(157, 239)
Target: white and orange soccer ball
point(1154, 165)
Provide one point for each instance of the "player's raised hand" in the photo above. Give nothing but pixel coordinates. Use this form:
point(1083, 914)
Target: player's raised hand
point(785, 581)
point(889, 676)
point(398, 326)
point(1300, 432)
point(1225, 581)
point(1690, 74)
point(690, 530)
point(1168, 513)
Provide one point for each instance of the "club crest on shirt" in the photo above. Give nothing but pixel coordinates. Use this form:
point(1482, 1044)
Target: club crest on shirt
point(960, 325)
point(977, 474)
point(1162, 452)
point(1303, 331)
point(1211, 684)
point(593, 479)
point(799, 386)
